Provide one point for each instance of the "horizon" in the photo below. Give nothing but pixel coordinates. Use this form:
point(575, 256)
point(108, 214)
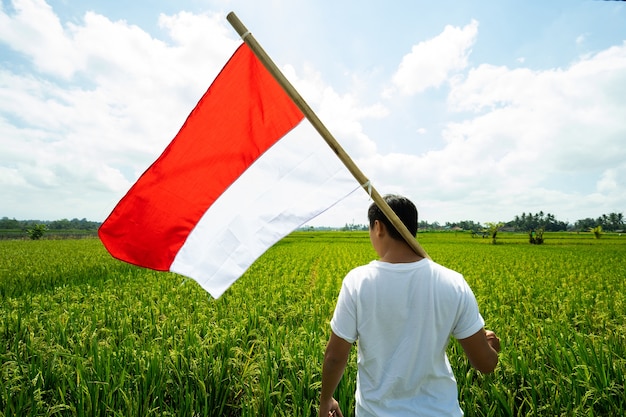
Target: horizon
point(441, 224)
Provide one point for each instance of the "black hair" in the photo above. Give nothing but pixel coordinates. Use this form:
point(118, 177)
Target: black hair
point(404, 209)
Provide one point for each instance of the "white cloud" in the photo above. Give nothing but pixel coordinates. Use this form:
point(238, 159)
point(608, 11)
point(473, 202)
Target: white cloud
point(612, 180)
point(37, 32)
point(521, 130)
point(104, 102)
point(341, 114)
point(565, 119)
point(430, 63)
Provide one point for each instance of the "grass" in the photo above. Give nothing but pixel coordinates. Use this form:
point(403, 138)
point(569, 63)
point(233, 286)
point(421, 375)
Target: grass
point(82, 334)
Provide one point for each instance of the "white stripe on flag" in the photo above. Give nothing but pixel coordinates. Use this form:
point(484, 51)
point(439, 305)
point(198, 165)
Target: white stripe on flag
point(294, 181)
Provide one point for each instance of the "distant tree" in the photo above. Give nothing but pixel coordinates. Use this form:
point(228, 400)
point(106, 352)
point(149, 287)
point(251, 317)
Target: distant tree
point(585, 224)
point(465, 225)
point(530, 221)
point(535, 237)
point(615, 221)
point(424, 225)
point(493, 229)
point(6, 223)
point(63, 224)
point(37, 231)
point(353, 227)
point(597, 231)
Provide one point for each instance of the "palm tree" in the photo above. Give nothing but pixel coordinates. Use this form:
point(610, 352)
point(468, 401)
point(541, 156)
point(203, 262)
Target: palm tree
point(493, 230)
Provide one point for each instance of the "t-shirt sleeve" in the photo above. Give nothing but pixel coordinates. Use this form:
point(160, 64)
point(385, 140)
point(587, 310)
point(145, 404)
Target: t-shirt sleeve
point(343, 323)
point(469, 320)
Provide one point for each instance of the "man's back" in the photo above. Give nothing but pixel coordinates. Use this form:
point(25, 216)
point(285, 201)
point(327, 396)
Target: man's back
point(403, 315)
point(403, 310)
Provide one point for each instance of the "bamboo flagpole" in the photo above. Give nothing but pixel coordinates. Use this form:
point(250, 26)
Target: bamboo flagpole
point(260, 53)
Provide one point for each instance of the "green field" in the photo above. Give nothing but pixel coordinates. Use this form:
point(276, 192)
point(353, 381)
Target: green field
point(82, 334)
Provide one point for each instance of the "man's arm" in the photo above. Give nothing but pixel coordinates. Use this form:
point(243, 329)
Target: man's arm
point(482, 350)
point(335, 360)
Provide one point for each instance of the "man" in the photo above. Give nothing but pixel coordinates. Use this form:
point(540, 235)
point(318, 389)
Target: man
point(403, 309)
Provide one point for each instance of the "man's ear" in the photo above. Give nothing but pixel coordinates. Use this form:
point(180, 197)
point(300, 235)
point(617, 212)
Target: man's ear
point(379, 228)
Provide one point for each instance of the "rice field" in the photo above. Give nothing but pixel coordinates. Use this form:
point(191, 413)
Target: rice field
point(82, 334)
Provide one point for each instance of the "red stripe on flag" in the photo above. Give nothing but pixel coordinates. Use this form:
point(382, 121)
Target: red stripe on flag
point(242, 114)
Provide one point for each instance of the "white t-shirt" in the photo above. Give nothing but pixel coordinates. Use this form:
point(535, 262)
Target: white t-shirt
point(403, 316)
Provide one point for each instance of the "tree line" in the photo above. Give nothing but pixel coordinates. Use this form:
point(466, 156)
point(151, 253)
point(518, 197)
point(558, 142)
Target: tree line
point(612, 222)
point(63, 224)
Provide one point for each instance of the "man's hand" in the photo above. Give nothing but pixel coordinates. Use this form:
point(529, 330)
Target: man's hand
point(335, 360)
point(493, 340)
point(482, 350)
point(330, 409)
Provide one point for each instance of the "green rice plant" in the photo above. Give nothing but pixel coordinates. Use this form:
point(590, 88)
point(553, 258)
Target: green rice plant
point(82, 334)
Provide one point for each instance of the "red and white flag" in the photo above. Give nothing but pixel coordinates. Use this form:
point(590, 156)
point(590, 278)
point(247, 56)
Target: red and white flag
point(243, 171)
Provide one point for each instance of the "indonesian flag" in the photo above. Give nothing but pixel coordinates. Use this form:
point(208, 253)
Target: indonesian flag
point(243, 171)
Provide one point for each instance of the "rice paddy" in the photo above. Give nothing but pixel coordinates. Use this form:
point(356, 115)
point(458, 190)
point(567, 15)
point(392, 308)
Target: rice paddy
point(82, 334)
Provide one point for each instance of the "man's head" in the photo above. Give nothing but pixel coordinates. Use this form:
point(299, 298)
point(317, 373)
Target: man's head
point(404, 209)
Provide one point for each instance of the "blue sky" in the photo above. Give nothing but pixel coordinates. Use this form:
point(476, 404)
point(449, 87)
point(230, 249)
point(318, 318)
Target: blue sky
point(476, 110)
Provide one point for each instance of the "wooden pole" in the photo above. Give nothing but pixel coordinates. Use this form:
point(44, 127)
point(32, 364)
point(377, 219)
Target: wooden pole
point(324, 132)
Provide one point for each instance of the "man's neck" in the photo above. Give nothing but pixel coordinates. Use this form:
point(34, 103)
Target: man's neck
point(399, 253)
